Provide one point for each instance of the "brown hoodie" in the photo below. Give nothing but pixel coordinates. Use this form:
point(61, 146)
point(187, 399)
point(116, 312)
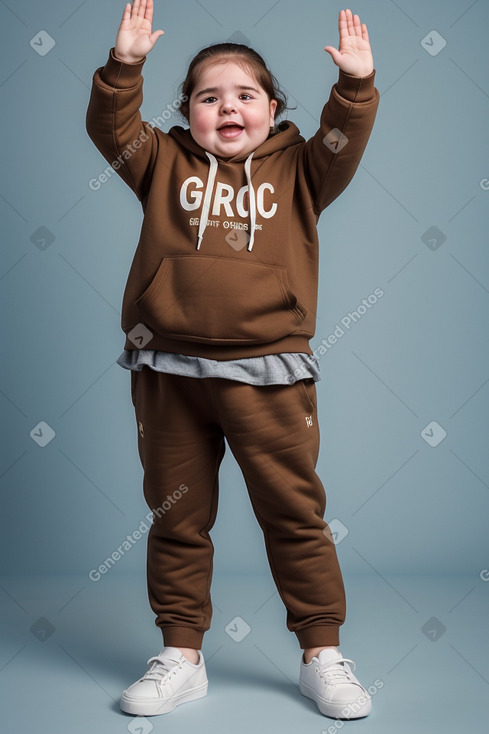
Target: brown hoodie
point(227, 261)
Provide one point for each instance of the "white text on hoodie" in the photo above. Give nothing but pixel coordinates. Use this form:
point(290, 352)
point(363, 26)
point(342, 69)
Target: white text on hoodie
point(191, 199)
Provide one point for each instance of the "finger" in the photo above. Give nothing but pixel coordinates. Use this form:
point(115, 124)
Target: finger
point(334, 53)
point(357, 27)
point(137, 8)
point(126, 15)
point(342, 25)
point(149, 11)
point(364, 32)
point(154, 36)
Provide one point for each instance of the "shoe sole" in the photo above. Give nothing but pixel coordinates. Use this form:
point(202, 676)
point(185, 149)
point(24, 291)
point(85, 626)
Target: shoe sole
point(335, 710)
point(153, 708)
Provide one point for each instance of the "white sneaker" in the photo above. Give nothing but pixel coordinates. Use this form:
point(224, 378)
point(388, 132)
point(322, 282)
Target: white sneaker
point(330, 682)
point(170, 681)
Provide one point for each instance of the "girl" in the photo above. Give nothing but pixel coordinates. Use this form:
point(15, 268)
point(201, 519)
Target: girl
point(218, 311)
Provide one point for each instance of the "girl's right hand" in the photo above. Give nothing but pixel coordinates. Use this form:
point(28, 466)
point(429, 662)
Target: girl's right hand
point(134, 38)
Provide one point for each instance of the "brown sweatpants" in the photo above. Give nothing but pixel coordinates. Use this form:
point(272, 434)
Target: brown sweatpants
point(273, 433)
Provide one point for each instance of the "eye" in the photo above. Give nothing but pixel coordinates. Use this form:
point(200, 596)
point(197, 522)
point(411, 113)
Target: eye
point(209, 98)
point(245, 94)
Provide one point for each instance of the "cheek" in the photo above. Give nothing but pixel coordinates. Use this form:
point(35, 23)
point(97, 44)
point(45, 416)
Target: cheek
point(258, 119)
point(199, 121)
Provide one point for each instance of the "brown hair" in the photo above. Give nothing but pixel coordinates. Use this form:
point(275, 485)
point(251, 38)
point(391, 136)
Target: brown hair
point(249, 60)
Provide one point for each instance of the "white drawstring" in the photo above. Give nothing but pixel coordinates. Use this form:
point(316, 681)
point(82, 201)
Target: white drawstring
point(208, 193)
point(251, 196)
point(207, 197)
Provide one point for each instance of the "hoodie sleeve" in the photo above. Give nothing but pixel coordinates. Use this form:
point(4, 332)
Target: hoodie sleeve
point(332, 155)
point(114, 123)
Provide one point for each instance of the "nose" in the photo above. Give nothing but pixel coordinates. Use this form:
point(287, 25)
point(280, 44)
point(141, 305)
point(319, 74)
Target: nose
point(228, 105)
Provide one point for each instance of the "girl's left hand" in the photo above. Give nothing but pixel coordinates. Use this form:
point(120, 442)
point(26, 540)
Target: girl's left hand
point(354, 55)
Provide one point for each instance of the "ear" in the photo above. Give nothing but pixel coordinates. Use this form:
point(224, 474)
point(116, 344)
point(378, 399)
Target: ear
point(273, 107)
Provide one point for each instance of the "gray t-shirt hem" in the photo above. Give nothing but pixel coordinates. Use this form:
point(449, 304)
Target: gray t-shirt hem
point(270, 369)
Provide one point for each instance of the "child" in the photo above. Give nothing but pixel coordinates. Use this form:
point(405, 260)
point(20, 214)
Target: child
point(218, 311)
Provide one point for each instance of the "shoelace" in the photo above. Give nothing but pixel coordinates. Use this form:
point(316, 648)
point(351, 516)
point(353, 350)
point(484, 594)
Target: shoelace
point(336, 672)
point(159, 668)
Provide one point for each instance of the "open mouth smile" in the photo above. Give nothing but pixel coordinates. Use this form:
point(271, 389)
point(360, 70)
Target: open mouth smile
point(230, 130)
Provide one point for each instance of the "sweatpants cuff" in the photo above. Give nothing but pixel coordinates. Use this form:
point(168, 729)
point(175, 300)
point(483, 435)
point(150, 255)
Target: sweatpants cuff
point(182, 637)
point(318, 635)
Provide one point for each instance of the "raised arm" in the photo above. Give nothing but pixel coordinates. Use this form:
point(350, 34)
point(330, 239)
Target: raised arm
point(332, 155)
point(113, 120)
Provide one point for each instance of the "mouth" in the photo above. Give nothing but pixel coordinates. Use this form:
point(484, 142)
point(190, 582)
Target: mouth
point(230, 130)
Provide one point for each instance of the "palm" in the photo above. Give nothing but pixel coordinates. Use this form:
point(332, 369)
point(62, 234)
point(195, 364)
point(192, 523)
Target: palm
point(134, 38)
point(354, 55)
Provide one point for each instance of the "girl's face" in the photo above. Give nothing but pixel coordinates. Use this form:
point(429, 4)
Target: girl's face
point(229, 113)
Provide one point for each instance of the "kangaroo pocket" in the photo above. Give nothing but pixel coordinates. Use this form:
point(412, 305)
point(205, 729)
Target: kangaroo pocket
point(220, 301)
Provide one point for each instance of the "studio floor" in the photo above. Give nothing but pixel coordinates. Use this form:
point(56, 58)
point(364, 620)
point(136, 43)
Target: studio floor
point(70, 646)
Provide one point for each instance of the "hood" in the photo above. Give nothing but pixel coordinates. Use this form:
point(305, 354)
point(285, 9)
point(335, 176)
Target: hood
point(287, 135)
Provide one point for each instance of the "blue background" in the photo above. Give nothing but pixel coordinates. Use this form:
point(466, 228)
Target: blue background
point(408, 510)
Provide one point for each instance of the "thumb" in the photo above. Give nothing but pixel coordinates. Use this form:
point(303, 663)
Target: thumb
point(334, 53)
point(154, 36)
